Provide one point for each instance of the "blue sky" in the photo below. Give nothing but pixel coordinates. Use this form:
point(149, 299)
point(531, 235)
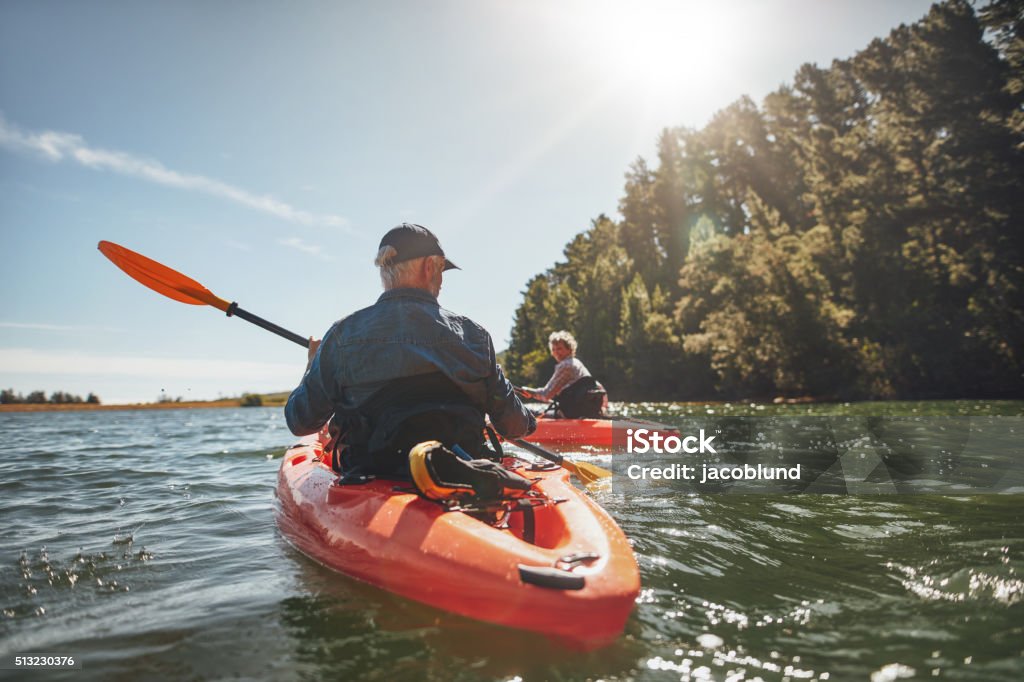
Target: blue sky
point(264, 148)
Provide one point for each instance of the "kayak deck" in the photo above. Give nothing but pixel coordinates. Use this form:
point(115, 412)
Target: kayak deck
point(563, 569)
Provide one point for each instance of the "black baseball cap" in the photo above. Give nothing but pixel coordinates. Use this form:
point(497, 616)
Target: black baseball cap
point(414, 241)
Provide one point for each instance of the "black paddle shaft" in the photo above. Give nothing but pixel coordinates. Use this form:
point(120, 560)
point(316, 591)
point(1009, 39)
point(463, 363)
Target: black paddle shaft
point(539, 451)
point(233, 309)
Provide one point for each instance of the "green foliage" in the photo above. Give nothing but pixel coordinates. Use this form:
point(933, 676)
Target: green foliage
point(857, 236)
point(765, 319)
point(61, 398)
point(9, 397)
point(251, 400)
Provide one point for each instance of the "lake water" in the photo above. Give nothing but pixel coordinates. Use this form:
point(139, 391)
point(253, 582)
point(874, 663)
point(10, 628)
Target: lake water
point(144, 543)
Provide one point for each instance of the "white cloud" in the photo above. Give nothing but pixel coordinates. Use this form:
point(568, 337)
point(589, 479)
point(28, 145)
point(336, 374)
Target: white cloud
point(311, 249)
point(38, 327)
point(237, 245)
point(42, 326)
point(58, 146)
point(25, 361)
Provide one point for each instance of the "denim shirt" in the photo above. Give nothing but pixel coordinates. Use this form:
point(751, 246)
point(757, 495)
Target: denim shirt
point(405, 333)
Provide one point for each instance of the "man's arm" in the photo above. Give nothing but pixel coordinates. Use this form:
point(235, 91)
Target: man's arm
point(309, 406)
point(509, 416)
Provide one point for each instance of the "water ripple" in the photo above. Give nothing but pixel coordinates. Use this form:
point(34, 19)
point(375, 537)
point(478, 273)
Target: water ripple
point(146, 541)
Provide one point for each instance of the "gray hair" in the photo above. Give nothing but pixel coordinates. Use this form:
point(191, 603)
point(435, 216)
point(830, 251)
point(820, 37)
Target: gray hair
point(393, 275)
point(565, 338)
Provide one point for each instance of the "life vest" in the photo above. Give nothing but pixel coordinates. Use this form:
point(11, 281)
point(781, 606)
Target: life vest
point(582, 399)
point(375, 439)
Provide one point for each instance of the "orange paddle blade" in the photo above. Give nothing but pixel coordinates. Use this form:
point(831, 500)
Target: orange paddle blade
point(161, 278)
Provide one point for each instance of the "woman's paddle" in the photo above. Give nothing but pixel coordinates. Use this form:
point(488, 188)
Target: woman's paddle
point(586, 472)
point(177, 286)
point(173, 284)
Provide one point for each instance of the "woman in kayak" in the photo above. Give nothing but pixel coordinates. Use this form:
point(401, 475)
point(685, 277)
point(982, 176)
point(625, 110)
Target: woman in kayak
point(577, 394)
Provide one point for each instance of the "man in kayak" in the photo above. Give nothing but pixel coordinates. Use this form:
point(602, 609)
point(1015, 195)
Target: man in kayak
point(577, 394)
point(404, 370)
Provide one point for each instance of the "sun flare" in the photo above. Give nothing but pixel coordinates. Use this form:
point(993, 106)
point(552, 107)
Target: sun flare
point(658, 48)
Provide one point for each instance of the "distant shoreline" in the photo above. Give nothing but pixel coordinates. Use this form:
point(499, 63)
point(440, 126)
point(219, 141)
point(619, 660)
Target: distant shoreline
point(168, 405)
point(76, 407)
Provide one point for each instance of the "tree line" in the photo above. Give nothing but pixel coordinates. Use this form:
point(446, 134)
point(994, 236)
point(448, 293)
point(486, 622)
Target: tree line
point(857, 235)
point(9, 397)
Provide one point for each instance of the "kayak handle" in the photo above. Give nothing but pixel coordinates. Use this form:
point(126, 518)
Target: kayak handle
point(551, 578)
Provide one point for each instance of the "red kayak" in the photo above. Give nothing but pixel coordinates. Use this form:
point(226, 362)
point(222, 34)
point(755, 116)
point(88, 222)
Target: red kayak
point(556, 564)
point(595, 432)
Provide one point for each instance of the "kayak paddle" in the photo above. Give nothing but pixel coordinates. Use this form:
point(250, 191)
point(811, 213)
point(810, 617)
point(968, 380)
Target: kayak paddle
point(177, 286)
point(586, 472)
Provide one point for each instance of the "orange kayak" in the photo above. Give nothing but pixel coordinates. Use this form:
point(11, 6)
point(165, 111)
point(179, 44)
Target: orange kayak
point(595, 432)
point(562, 567)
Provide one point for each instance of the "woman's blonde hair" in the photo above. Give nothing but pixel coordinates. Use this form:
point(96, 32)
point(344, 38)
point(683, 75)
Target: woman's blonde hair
point(565, 338)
